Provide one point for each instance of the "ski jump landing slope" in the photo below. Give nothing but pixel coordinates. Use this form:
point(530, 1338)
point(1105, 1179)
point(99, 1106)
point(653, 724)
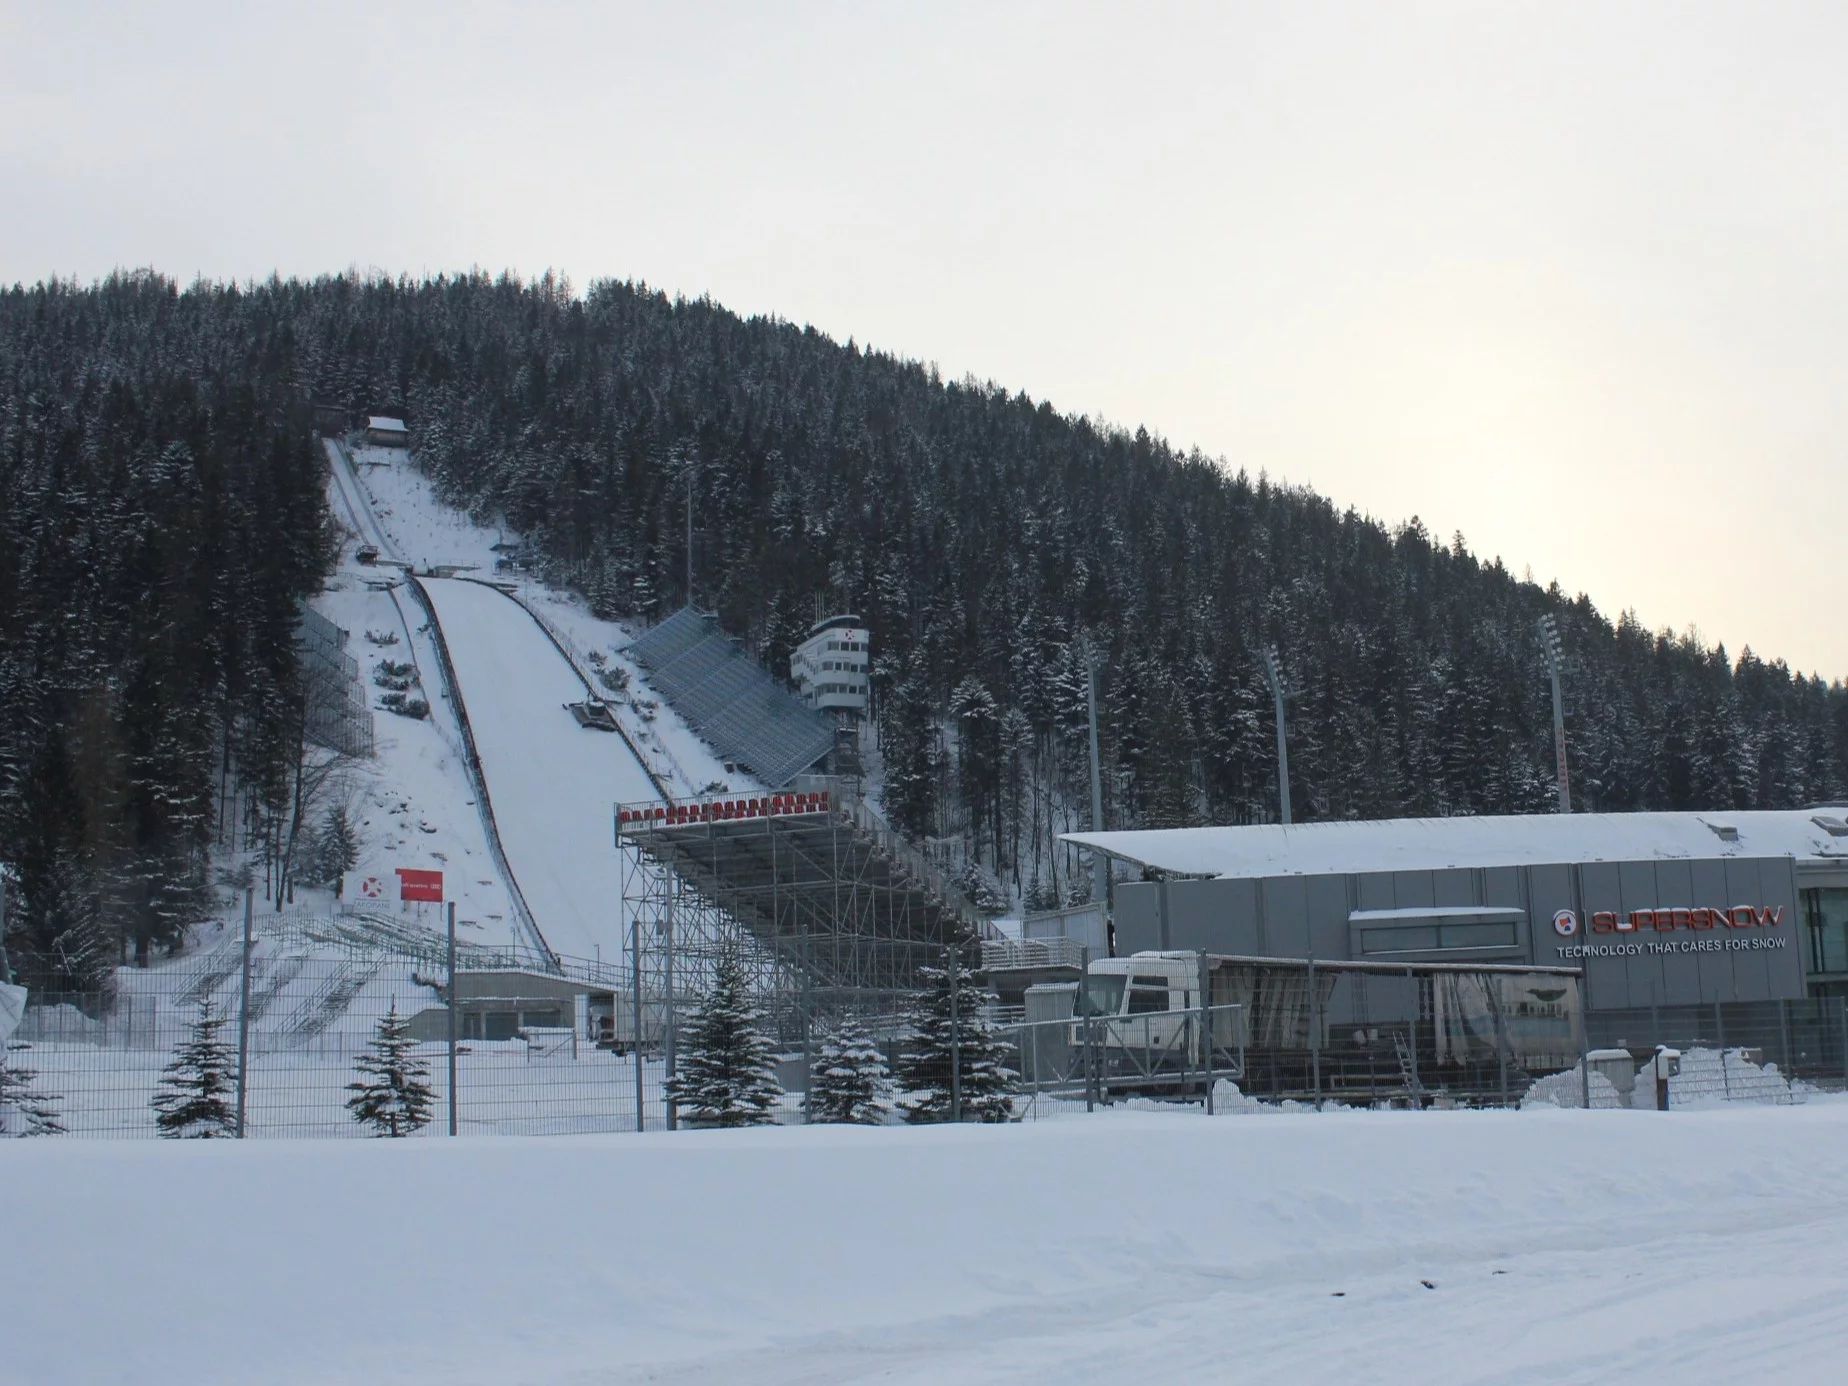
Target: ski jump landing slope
point(552, 783)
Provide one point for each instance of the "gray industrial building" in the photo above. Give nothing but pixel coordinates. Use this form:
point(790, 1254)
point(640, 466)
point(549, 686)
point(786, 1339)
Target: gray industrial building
point(1658, 909)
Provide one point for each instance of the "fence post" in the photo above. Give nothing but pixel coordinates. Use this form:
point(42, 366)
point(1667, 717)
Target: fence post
point(1084, 1027)
point(1719, 1028)
point(635, 976)
point(955, 1037)
point(1845, 1042)
point(1206, 1025)
point(450, 995)
point(1783, 1016)
point(1315, 1034)
point(243, 1018)
point(670, 1040)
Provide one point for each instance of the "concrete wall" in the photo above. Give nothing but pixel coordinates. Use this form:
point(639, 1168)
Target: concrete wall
point(1300, 916)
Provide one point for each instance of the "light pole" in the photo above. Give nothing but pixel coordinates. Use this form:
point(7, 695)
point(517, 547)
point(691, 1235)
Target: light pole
point(1100, 868)
point(1549, 644)
point(1273, 673)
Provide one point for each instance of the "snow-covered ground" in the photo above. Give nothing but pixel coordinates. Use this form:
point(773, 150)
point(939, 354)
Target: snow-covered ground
point(1428, 1248)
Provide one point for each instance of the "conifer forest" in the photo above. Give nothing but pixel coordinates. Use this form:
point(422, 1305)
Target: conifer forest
point(163, 514)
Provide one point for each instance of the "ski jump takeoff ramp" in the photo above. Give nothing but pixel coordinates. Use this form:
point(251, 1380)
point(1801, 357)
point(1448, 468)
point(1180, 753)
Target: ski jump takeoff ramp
point(550, 781)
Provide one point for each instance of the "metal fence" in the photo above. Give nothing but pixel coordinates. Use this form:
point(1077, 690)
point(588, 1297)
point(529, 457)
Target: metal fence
point(1074, 1065)
point(1730, 1051)
point(584, 1047)
point(527, 1056)
point(1773, 1052)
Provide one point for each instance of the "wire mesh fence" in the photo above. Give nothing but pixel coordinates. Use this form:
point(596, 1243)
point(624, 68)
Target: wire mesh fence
point(534, 1052)
point(1727, 1051)
point(552, 1046)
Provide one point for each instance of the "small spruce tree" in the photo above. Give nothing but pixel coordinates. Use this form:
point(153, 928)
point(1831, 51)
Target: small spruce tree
point(25, 1111)
point(336, 847)
point(392, 1094)
point(848, 1081)
point(727, 1071)
point(984, 1080)
point(195, 1097)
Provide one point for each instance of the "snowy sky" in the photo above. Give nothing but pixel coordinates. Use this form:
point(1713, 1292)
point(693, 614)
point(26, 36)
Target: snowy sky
point(1566, 277)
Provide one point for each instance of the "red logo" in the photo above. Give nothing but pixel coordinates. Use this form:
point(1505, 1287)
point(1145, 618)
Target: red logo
point(372, 888)
point(1565, 923)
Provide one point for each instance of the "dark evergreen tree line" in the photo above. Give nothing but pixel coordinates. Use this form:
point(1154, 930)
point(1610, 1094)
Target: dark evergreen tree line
point(161, 515)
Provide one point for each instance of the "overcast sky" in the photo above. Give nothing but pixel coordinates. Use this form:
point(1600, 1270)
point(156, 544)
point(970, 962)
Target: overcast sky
point(1572, 279)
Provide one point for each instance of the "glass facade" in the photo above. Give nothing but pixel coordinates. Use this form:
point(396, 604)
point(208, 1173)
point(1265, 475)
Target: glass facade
point(1825, 911)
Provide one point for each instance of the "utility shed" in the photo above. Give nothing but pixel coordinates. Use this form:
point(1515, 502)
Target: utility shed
point(383, 431)
point(1658, 908)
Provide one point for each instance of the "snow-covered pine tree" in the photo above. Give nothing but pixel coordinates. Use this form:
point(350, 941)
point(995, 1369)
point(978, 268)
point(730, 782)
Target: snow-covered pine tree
point(24, 1110)
point(392, 1094)
point(194, 1100)
point(727, 1071)
point(848, 1081)
point(984, 1081)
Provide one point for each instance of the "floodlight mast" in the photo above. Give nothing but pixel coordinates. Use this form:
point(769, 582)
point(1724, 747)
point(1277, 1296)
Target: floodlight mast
point(1100, 868)
point(1274, 674)
point(1549, 643)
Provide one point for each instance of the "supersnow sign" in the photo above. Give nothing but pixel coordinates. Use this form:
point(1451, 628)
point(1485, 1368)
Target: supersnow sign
point(1701, 922)
point(1667, 920)
point(423, 887)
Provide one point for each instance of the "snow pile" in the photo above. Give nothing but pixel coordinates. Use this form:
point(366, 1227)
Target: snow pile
point(1567, 1089)
point(1710, 1076)
point(1228, 1100)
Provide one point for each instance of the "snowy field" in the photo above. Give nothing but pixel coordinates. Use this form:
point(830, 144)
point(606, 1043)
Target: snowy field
point(1539, 1246)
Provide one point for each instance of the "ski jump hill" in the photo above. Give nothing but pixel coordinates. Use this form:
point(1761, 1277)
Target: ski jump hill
point(551, 784)
point(503, 664)
point(541, 785)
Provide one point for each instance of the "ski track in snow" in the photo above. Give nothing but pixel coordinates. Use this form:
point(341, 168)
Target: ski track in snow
point(1562, 1247)
point(553, 784)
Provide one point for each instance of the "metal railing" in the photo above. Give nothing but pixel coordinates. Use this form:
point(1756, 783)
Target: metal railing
point(1078, 1063)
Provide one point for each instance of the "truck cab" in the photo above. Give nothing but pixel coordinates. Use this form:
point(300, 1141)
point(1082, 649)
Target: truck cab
point(1142, 1001)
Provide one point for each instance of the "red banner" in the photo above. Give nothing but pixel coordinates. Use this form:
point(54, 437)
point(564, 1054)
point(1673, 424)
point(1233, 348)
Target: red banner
point(423, 886)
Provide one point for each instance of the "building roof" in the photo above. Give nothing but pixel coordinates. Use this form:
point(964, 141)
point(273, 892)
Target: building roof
point(384, 423)
point(1422, 844)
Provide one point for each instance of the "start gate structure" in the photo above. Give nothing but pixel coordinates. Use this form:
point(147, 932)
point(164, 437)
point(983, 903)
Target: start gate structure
point(826, 906)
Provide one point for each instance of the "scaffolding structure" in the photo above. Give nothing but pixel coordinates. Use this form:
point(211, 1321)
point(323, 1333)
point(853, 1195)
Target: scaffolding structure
point(828, 910)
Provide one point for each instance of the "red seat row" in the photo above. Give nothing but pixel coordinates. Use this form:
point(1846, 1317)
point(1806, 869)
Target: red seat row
point(718, 810)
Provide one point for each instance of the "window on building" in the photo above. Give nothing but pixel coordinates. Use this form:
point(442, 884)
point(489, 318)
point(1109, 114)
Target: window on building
point(1434, 934)
point(1825, 910)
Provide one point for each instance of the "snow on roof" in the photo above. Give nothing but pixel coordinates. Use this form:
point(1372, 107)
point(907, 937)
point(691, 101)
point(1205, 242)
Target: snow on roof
point(384, 423)
point(1422, 844)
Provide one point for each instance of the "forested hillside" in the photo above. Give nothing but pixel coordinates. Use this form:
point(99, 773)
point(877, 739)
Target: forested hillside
point(161, 512)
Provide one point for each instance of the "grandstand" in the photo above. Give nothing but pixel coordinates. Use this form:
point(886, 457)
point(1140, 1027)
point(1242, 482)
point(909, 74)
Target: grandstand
point(730, 699)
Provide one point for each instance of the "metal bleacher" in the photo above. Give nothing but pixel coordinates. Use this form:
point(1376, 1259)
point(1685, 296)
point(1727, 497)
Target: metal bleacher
point(730, 699)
